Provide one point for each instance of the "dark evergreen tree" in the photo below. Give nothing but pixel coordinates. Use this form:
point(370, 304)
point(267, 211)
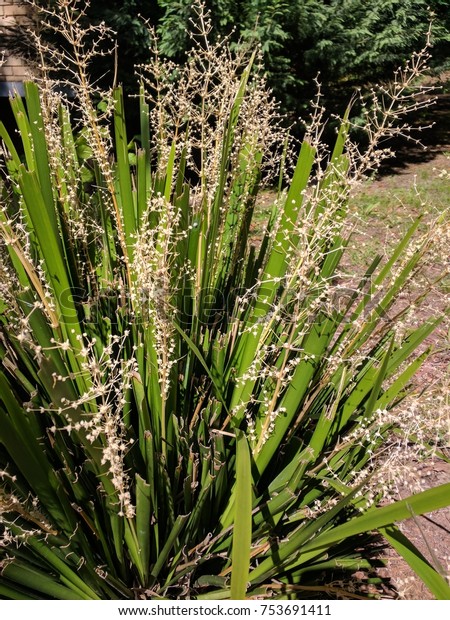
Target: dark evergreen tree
point(347, 41)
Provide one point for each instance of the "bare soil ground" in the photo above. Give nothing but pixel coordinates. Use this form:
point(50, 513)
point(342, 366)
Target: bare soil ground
point(392, 201)
point(413, 167)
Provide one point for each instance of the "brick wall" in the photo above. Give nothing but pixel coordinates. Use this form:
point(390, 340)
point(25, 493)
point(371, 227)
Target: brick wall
point(12, 12)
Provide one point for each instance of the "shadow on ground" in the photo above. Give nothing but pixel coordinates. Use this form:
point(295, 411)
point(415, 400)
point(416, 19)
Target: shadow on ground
point(433, 140)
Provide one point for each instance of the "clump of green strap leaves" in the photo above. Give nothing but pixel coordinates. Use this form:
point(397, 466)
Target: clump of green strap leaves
point(239, 467)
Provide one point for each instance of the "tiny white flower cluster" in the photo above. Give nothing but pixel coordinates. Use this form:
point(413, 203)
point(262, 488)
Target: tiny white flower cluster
point(156, 278)
point(97, 414)
point(11, 509)
point(214, 73)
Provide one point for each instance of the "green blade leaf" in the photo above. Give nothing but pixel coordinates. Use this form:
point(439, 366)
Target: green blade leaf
point(125, 195)
point(242, 530)
point(170, 542)
point(39, 581)
point(418, 504)
point(431, 578)
point(143, 517)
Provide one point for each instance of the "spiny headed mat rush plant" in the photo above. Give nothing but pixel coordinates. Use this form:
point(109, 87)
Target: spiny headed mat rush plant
point(184, 414)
